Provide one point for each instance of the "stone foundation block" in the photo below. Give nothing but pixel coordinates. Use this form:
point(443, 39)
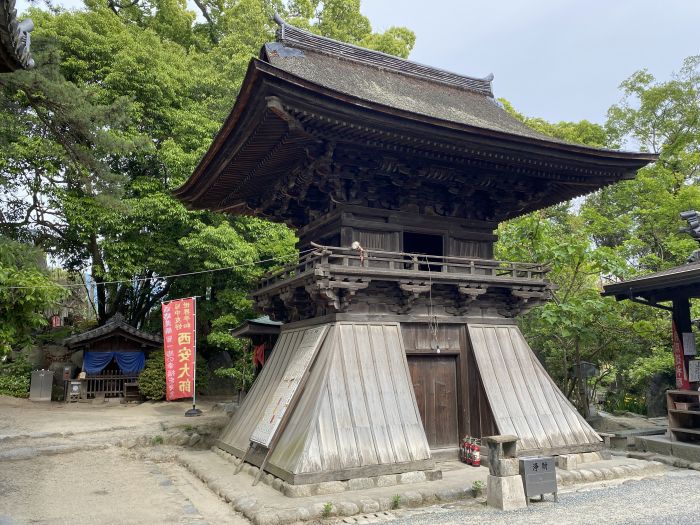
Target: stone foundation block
point(449, 494)
point(266, 517)
point(297, 491)
point(506, 467)
point(505, 493)
point(568, 461)
point(384, 503)
point(369, 505)
point(347, 508)
point(303, 513)
point(412, 498)
point(386, 481)
point(433, 475)
point(330, 487)
point(360, 484)
point(277, 484)
point(412, 477)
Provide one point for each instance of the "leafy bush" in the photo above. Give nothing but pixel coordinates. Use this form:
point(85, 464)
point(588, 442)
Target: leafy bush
point(242, 373)
point(152, 377)
point(15, 377)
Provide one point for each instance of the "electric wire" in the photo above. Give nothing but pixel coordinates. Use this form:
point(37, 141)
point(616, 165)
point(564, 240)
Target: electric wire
point(162, 277)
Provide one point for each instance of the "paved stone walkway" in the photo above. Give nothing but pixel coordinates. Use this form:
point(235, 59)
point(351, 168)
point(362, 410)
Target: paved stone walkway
point(264, 505)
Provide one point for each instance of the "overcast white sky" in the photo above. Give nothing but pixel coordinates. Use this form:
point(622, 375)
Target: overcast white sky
point(556, 59)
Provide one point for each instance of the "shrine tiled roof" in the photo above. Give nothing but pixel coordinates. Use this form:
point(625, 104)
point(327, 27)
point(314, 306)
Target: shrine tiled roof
point(683, 280)
point(308, 100)
point(116, 325)
point(293, 37)
point(392, 81)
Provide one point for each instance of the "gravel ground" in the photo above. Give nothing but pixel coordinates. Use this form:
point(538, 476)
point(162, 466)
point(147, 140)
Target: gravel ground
point(673, 498)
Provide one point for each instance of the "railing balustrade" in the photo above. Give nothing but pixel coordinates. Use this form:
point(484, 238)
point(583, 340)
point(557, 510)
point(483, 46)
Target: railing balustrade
point(402, 263)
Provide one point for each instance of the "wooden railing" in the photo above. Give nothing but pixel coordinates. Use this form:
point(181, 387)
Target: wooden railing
point(400, 262)
point(110, 382)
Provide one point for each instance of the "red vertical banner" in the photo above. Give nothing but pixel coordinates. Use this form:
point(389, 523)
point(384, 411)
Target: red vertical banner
point(179, 341)
point(679, 360)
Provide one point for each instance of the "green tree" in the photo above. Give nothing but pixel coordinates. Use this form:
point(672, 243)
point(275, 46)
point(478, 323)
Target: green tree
point(621, 231)
point(578, 325)
point(639, 219)
point(26, 292)
point(125, 100)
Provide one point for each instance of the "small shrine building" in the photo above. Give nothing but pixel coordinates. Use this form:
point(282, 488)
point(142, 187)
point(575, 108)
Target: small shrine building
point(262, 332)
point(400, 334)
point(678, 286)
point(113, 356)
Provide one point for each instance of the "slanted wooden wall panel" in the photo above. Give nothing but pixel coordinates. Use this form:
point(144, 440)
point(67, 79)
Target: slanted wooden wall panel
point(356, 417)
point(237, 433)
point(524, 399)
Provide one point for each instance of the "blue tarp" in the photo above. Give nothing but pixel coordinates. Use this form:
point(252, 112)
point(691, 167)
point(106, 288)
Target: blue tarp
point(129, 362)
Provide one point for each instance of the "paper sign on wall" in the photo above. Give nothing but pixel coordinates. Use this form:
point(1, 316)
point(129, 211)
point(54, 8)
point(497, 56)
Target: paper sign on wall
point(694, 371)
point(689, 343)
point(298, 365)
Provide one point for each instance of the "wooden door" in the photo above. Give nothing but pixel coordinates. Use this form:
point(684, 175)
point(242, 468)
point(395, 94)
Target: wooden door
point(435, 384)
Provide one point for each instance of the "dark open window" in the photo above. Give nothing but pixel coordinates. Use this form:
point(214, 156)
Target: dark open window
point(424, 244)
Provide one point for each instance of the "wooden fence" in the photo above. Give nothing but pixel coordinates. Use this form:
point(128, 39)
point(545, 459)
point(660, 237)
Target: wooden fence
point(111, 382)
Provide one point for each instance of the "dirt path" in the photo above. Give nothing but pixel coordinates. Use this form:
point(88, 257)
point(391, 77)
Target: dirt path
point(108, 486)
point(59, 463)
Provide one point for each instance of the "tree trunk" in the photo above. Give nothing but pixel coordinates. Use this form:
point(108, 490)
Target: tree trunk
point(98, 271)
point(582, 396)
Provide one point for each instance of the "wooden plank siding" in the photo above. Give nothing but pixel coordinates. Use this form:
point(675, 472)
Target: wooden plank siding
point(237, 433)
point(356, 416)
point(473, 411)
point(524, 399)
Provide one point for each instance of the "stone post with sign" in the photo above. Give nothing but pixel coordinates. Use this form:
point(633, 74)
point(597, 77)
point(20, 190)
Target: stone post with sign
point(504, 485)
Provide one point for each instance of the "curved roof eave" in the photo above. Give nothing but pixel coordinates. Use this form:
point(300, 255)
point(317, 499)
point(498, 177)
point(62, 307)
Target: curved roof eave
point(259, 70)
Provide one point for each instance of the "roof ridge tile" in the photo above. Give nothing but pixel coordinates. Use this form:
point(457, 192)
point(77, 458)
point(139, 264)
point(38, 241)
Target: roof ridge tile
point(298, 38)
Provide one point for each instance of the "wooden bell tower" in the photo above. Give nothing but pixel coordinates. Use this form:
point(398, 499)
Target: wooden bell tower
point(399, 334)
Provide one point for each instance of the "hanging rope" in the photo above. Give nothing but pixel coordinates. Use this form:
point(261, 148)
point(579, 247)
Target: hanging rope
point(433, 324)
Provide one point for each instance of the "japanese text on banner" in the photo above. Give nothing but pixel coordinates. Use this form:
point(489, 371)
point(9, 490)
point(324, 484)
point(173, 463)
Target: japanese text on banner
point(178, 346)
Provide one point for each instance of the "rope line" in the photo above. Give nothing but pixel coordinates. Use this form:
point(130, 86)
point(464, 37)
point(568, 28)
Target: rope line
point(162, 277)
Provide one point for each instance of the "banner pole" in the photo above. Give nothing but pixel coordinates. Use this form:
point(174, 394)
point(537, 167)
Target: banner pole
point(194, 411)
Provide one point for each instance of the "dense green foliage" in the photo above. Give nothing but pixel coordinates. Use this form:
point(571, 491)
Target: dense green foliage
point(627, 229)
point(15, 377)
point(22, 309)
point(152, 377)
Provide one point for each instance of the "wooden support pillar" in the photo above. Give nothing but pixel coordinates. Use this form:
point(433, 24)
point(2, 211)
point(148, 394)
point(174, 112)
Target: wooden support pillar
point(681, 319)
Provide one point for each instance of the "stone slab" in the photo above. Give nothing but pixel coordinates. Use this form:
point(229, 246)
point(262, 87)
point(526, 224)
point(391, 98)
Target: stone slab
point(505, 493)
point(663, 445)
